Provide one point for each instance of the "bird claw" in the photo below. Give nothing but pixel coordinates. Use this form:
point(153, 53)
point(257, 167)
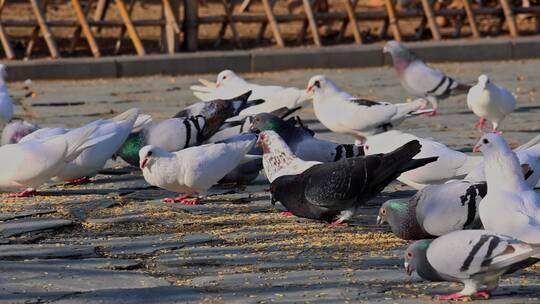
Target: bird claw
point(430, 114)
point(338, 223)
point(185, 199)
point(481, 124)
point(25, 193)
point(483, 294)
point(79, 181)
point(455, 297)
point(286, 213)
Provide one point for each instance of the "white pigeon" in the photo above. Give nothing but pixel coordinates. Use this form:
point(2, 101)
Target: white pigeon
point(230, 85)
point(341, 112)
point(451, 164)
point(510, 207)
point(92, 160)
point(490, 102)
point(278, 159)
point(192, 170)
point(6, 105)
point(30, 164)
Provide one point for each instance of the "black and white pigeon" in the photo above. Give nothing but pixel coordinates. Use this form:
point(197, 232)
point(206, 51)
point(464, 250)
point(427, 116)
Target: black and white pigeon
point(327, 191)
point(475, 258)
point(302, 142)
point(420, 79)
point(435, 210)
point(342, 112)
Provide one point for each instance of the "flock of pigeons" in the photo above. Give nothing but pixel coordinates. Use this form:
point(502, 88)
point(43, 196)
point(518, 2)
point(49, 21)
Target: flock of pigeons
point(239, 128)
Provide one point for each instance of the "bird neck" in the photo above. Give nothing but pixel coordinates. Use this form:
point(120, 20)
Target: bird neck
point(130, 149)
point(503, 171)
point(426, 271)
point(277, 157)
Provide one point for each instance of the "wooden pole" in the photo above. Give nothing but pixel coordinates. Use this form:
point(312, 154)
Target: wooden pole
point(353, 21)
point(47, 34)
point(172, 30)
point(392, 19)
point(428, 11)
point(273, 23)
point(470, 17)
point(123, 28)
point(509, 16)
point(132, 32)
point(85, 27)
point(312, 22)
point(6, 45)
point(101, 10)
point(191, 26)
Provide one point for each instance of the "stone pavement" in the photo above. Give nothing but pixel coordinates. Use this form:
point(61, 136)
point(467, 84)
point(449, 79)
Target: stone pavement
point(115, 241)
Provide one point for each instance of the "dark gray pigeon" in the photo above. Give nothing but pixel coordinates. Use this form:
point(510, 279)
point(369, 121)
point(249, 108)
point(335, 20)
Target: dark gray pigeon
point(419, 79)
point(475, 258)
point(435, 210)
point(301, 140)
point(329, 190)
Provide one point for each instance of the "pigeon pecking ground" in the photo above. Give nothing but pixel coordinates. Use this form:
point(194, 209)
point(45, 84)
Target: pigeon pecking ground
point(115, 241)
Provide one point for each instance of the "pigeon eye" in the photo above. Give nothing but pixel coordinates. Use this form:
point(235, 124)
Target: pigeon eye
point(317, 84)
point(383, 211)
point(367, 147)
point(485, 141)
point(149, 153)
point(409, 254)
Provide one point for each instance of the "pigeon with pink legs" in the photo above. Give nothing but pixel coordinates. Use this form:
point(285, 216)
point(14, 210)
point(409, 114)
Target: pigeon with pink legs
point(476, 258)
point(490, 102)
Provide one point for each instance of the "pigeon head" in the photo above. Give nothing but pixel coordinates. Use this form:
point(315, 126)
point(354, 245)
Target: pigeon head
point(415, 257)
point(401, 56)
point(391, 209)
point(483, 80)
point(16, 130)
point(271, 143)
point(318, 84)
point(225, 77)
point(491, 143)
point(148, 155)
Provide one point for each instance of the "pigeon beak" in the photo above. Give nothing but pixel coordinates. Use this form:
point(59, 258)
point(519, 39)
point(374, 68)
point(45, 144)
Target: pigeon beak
point(143, 163)
point(408, 269)
point(476, 148)
point(379, 220)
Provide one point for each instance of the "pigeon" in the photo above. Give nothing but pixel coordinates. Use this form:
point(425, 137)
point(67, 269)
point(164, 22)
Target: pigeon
point(192, 170)
point(450, 165)
point(29, 164)
point(327, 191)
point(475, 258)
point(229, 84)
point(16, 130)
point(278, 159)
point(88, 163)
point(421, 80)
point(434, 210)
point(490, 102)
point(343, 113)
point(244, 173)
point(6, 105)
point(302, 143)
point(510, 207)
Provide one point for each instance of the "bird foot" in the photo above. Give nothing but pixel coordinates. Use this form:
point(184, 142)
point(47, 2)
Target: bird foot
point(431, 114)
point(483, 294)
point(79, 181)
point(496, 131)
point(455, 297)
point(185, 199)
point(481, 124)
point(25, 193)
point(338, 223)
point(286, 213)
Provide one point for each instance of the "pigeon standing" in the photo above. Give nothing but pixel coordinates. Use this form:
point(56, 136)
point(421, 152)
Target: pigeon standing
point(510, 207)
point(490, 102)
point(419, 79)
point(192, 170)
point(6, 105)
point(229, 84)
point(30, 164)
point(16, 130)
point(335, 190)
point(451, 164)
point(302, 142)
point(435, 210)
point(475, 258)
point(343, 113)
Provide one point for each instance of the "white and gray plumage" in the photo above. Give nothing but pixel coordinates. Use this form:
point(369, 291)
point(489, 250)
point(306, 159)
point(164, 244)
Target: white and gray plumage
point(246, 172)
point(490, 102)
point(229, 84)
point(29, 164)
point(510, 207)
point(192, 170)
point(450, 165)
point(92, 160)
point(476, 258)
point(15, 131)
point(6, 104)
point(435, 210)
point(420, 79)
point(341, 112)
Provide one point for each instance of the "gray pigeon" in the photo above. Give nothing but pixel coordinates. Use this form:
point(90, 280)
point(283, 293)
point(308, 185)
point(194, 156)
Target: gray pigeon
point(302, 142)
point(419, 79)
point(16, 130)
point(475, 258)
point(435, 210)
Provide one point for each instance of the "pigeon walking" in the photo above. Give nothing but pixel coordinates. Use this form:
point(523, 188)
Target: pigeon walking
point(435, 210)
point(475, 258)
point(343, 113)
point(510, 207)
point(192, 170)
point(17, 130)
point(229, 84)
point(419, 79)
point(335, 190)
point(30, 164)
point(302, 143)
point(6, 105)
point(490, 102)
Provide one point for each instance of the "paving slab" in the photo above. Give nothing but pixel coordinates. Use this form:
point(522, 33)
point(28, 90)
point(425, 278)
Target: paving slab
point(21, 226)
point(46, 251)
